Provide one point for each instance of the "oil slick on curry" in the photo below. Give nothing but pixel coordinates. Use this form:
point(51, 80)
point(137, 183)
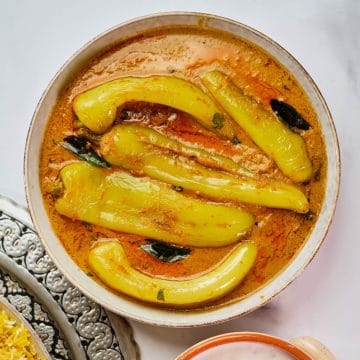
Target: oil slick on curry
point(183, 168)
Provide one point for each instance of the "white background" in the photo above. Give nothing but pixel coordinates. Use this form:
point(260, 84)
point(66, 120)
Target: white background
point(38, 36)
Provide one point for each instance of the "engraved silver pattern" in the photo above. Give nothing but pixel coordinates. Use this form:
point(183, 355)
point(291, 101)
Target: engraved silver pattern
point(70, 325)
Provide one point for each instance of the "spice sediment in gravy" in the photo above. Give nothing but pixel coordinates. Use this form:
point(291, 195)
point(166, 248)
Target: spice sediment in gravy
point(186, 53)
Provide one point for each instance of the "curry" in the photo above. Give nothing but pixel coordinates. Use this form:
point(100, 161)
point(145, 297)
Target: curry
point(183, 161)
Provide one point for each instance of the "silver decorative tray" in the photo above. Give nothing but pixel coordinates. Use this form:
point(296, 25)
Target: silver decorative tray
point(70, 325)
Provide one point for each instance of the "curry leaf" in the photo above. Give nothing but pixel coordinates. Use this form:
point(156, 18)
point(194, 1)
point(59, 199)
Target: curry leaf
point(289, 114)
point(164, 251)
point(83, 149)
point(160, 295)
point(235, 140)
point(218, 121)
point(177, 188)
point(310, 215)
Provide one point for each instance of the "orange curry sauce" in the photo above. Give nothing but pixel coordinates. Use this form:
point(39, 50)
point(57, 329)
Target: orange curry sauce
point(184, 53)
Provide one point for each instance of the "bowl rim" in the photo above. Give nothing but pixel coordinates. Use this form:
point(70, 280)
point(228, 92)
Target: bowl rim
point(143, 312)
point(234, 337)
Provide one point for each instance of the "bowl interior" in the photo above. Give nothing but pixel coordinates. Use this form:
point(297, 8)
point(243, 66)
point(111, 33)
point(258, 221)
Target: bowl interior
point(239, 342)
point(121, 305)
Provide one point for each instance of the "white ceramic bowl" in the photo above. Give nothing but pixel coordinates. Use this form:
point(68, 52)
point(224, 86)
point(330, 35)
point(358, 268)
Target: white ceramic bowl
point(251, 345)
point(122, 305)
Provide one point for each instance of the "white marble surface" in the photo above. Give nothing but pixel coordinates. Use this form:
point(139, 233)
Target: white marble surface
point(37, 37)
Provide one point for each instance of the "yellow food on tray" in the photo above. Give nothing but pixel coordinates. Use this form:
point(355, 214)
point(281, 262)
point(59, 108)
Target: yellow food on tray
point(15, 340)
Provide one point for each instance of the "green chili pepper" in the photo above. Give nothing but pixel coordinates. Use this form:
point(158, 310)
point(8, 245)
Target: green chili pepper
point(138, 148)
point(96, 108)
point(108, 261)
point(120, 201)
point(280, 143)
